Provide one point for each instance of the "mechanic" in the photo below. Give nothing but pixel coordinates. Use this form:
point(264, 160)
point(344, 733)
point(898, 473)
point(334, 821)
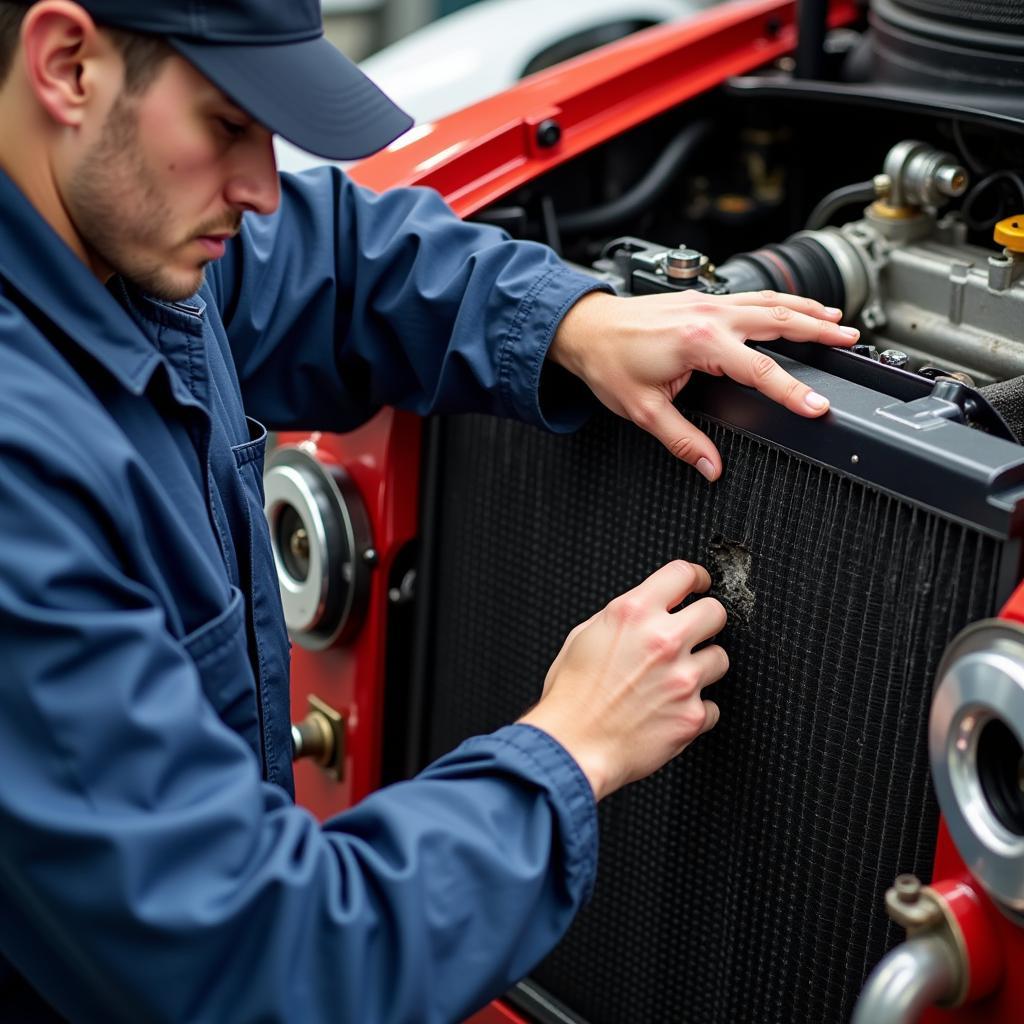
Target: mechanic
point(154, 865)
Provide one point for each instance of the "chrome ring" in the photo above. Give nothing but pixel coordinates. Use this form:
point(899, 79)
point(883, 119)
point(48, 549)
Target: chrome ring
point(981, 681)
point(324, 606)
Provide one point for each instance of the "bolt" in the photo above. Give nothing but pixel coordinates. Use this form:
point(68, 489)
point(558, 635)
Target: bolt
point(855, 459)
point(882, 184)
point(370, 556)
point(549, 133)
point(908, 889)
point(299, 544)
point(894, 357)
point(951, 180)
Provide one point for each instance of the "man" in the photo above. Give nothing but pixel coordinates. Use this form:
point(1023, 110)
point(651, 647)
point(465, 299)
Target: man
point(153, 864)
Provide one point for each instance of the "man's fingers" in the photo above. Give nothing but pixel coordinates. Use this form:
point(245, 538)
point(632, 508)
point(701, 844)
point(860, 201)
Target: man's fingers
point(662, 419)
point(760, 371)
point(712, 715)
point(701, 621)
point(795, 302)
point(710, 663)
point(763, 323)
point(668, 586)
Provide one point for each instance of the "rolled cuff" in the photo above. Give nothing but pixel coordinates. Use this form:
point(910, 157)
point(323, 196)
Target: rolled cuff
point(562, 403)
point(551, 766)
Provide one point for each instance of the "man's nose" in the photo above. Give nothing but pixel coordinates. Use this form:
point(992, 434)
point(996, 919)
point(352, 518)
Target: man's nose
point(254, 185)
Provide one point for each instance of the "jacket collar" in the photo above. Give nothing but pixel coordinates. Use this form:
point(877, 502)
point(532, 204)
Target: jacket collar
point(37, 262)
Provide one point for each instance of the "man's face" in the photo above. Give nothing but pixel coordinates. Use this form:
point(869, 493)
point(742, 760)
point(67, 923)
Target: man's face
point(156, 195)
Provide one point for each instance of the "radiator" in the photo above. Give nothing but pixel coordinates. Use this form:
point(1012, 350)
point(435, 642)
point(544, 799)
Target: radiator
point(744, 881)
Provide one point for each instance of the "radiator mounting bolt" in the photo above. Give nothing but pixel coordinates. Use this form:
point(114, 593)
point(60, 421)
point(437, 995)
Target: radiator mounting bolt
point(908, 888)
point(549, 133)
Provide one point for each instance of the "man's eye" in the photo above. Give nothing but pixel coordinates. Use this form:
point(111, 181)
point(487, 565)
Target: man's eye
point(230, 128)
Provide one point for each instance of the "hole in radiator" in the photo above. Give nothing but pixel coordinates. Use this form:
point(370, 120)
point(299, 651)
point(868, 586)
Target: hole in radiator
point(730, 564)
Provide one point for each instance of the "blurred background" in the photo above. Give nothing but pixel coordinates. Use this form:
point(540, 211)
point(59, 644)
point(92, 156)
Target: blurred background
point(436, 56)
point(361, 27)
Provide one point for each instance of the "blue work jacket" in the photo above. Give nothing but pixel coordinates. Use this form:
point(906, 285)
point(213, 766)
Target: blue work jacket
point(153, 864)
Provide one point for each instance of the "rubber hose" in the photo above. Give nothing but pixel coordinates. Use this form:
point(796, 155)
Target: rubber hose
point(645, 192)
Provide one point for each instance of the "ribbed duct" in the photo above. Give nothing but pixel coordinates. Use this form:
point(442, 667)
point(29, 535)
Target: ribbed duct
point(970, 47)
point(745, 881)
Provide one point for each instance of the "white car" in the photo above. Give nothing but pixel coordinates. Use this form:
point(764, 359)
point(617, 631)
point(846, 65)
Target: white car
point(487, 47)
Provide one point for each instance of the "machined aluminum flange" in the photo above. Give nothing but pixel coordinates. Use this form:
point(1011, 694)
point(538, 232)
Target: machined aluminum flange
point(976, 745)
point(323, 550)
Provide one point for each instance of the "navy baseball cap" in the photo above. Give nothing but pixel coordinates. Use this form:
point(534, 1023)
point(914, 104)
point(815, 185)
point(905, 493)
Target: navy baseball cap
point(272, 59)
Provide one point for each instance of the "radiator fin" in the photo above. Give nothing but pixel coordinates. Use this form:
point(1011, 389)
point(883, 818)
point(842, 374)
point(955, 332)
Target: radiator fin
point(744, 882)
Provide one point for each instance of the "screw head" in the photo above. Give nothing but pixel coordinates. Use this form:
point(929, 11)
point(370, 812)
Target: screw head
point(549, 133)
point(908, 888)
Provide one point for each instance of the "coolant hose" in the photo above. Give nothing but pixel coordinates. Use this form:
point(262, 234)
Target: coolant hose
point(859, 192)
point(651, 185)
point(915, 975)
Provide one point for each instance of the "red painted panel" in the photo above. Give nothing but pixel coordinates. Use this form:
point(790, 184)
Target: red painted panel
point(1006, 1004)
point(383, 459)
point(496, 1013)
point(1014, 607)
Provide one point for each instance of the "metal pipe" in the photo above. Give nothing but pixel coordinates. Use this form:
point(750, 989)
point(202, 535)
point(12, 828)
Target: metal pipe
point(915, 975)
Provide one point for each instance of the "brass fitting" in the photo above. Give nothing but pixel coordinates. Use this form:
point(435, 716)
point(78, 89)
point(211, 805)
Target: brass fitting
point(320, 736)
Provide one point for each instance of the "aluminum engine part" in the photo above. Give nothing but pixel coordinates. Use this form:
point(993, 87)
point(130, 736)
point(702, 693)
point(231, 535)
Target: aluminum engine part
point(936, 298)
point(922, 176)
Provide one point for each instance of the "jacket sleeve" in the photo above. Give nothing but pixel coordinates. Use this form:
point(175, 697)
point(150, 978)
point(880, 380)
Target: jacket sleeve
point(149, 874)
point(344, 301)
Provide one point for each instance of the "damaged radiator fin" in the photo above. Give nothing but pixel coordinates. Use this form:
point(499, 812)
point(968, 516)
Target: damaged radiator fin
point(745, 881)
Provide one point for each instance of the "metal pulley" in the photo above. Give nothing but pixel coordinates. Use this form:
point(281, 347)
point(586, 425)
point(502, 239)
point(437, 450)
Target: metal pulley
point(976, 745)
point(323, 550)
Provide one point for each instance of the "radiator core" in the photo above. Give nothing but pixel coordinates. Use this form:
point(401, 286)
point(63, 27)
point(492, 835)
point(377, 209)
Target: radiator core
point(744, 882)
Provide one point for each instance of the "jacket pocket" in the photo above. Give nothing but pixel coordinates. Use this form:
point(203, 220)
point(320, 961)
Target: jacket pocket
point(251, 454)
point(272, 647)
point(219, 650)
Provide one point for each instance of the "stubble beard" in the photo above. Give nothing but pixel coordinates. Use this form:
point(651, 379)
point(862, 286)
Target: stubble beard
point(120, 212)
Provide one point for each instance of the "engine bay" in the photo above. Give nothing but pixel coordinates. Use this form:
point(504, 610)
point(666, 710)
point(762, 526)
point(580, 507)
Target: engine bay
point(899, 204)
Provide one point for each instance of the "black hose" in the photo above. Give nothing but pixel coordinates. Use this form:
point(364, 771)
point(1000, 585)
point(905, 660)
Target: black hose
point(859, 192)
point(812, 16)
point(967, 208)
point(645, 192)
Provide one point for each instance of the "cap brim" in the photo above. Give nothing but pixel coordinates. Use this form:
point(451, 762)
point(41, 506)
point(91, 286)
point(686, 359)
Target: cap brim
point(307, 92)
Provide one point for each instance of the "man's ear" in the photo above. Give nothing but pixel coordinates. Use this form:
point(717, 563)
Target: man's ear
point(64, 53)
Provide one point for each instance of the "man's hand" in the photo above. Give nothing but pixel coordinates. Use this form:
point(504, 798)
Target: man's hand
point(636, 354)
point(624, 694)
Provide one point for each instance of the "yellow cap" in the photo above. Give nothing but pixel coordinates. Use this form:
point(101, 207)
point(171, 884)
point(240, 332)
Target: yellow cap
point(1009, 233)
